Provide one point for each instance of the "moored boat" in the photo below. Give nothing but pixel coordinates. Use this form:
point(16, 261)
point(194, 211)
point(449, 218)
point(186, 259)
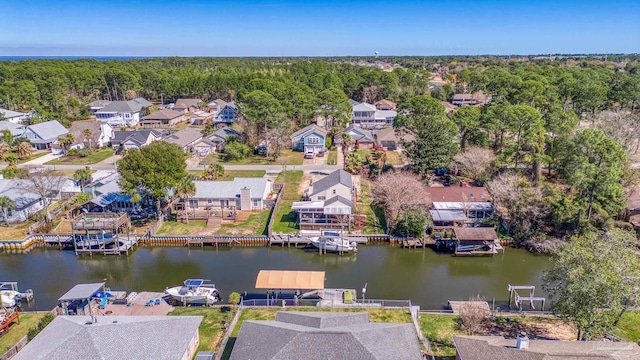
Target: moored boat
point(333, 244)
point(195, 291)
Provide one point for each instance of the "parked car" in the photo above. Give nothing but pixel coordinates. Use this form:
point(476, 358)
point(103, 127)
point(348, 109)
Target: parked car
point(321, 153)
point(309, 154)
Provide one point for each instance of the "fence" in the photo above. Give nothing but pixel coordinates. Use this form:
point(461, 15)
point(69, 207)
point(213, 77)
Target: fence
point(403, 304)
point(12, 351)
point(274, 210)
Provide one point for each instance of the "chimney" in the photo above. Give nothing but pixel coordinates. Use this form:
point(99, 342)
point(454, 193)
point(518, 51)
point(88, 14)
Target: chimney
point(523, 341)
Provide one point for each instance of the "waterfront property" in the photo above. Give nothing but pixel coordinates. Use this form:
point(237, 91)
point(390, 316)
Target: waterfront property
point(122, 113)
point(108, 196)
point(459, 206)
point(325, 335)
point(115, 337)
point(77, 301)
point(26, 203)
point(162, 118)
point(499, 348)
point(329, 203)
point(246, 194)
point(311, 138)
point(43, 135)
point(472, 241)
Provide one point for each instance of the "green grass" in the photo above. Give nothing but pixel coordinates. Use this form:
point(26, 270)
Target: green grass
point(287, 157)
point(629, 326)
point(95, 157)
point(375, 223)
point(332, 157)
point(211, 331)
point(256, 224)
point(17, 331)
point(438, 329)
point(178, 228)
point(376, 315)
point(232, 174)
point(285, 218)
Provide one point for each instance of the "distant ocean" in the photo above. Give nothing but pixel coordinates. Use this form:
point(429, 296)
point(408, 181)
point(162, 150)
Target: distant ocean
point(99, 58)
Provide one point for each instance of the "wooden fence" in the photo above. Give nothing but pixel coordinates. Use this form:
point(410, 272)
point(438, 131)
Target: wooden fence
point(274, 210)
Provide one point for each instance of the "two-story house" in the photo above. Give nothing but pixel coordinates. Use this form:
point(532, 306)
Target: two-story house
point(162, 118)
point(187, 105)
point(311, 138)
point(13, 116)
point(227, 115)
point(98, 105)
point(90, 133)
point(463, 100)
point(122, 113)
point(124, 140)
point(384, 104)
point(453, 206)
point(108, 196)
point(330, 203)
point(368, 116)
point(43, 135)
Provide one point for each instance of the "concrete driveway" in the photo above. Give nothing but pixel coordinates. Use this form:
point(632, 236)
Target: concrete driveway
point(42, 159)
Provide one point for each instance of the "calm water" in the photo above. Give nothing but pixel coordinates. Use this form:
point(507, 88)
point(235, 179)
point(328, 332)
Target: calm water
point(421, 275)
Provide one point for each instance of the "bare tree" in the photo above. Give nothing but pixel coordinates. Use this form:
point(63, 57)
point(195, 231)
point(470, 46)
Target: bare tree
point(396, 191)
point(45, 183)
point(472, 314)
point(621, 126)
point(477, 163)
point(278, 139)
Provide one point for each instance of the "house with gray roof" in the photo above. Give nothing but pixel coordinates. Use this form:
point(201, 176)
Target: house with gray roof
point(522, 348)
point(306, 335)
point(122, 113)
point(115, 337)
point(187, 105)
point(227, 115)
point(90, 133)
point(17, 130)
point(244, 194)
point(360, 138)
point(26, 203)
point(162, 118)
point(14, 116)
point(329, 203)
point(220, 137)
point(98, 104)
point(107, 195)
point(311, 138)
point(43, 135)
point(124, 140)
point(368, 116)
point(185, 138)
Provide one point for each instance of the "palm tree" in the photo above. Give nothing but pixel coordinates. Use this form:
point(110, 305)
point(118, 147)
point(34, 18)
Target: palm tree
point(24, 150)
point(66, 140)
point(353, 162)
point(5, 204)
point(82, 175)
point(186, 188)
point(87, 136)
point(4, 148)
point(346, 143)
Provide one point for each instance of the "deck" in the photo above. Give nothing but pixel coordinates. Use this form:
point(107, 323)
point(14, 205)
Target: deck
point(138, 306)
point(99, 221)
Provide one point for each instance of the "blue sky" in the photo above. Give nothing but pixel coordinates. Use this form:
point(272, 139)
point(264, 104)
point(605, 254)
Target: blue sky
point(316, 28)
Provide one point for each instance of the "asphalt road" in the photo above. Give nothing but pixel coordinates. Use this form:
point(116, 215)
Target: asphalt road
point(268, 168)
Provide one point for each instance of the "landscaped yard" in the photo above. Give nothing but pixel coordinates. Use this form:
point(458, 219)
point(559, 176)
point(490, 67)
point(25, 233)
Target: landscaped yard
point(375, 315)
point(375, 223)
point(194, 227)
point(285, 218)
point(95, 157)
point(14, 231)
point(211, 328)
point(17, 331)
point(232, 174)
point(256, 224)
point(287, 157)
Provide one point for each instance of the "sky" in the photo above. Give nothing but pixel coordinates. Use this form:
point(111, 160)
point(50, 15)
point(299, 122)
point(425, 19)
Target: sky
point(316, 27)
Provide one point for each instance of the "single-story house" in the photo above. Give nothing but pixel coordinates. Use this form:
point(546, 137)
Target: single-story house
point(185, 138)
point(122, 113)
point(17, 130)
point(360, 138)
point(26, 203)
point(43, 135)
point(14, 116)
point(384, 104)
point(204, 147)
point(457, 205)
point(310, 138)
point(162, 118)
point(98, 105)
point(220, 136)
point(202, 118)
point(90, 132)
point(134, 139)
point(463, 99)
point(115, 337)
point(297, 335)
point(390, 139)
point(330, 203)
point(244, 194)
point(187, 105)
point(499, 348)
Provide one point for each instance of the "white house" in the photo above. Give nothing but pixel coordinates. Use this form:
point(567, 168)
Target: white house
point(43, 135)
point(244, 194)
point(25, 203)
point(98, 105)
point(368, 116)
point(17, 130)
point(13, 116)
point(122, 113)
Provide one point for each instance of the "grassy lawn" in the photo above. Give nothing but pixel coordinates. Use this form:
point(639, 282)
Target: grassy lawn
point(177, 228)
point(95, 157)
point(17, 331)
point(211, 331)
point(256, 224)
point(393, 158)
point(285, 218)
point(332, 157)
point(287, 157)
point(35, 155)
point(376, 315)
point(232, 174)
point(70, 172)
point(439, 329)
point(629, 326)
point(14, 231)
point(375, 223)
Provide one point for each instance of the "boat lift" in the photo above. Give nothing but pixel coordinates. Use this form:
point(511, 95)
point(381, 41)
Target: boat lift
point(13, 286)
point(518, 299)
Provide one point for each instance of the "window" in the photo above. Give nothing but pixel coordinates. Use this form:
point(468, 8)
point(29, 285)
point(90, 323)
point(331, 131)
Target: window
point(321, 198)
point(193, 204)
point(8, 213)
point(255, 203)
point(209, 201)
point(334, 191)
point(314, 140)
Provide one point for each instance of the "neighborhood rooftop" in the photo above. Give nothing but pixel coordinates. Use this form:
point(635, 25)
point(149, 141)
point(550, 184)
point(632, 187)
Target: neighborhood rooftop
point(231, 189)
point(337, 177)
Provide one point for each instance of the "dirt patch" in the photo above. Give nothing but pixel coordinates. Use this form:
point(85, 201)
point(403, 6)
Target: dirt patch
point(542, 328)
point(305, 183)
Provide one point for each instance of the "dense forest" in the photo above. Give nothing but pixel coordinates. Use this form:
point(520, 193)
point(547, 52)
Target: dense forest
point(553, 144)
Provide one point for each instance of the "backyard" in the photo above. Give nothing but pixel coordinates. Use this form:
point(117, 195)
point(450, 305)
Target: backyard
point(17, 331)
point(14, 231)
point(287, 157)
point(194, 227)
point(375, 223)
point(95, 157)
point(232, 174)
point(211, 328)
point(375, 315)
point(285, 218)
point(256, 224)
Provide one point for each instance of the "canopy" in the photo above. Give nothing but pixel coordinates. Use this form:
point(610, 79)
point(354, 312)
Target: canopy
point(82, 291)
point(193, 282)
point(290, 280)
point(478, 234)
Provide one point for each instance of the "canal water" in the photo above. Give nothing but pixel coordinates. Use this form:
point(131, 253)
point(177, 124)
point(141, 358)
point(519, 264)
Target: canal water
point(421, 275)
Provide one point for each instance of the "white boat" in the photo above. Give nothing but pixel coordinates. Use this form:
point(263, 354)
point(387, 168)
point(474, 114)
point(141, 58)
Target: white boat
point(10, 296)
point(333, 244)
point(195, 291)
point(95, 241)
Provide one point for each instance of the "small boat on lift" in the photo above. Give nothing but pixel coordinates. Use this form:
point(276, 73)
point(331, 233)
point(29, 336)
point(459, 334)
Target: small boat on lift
point(195, 291)
point(333, 242)
point(94, 241)
point(11, 297)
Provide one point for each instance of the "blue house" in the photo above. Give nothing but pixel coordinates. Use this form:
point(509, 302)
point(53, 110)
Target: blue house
point(310, 138)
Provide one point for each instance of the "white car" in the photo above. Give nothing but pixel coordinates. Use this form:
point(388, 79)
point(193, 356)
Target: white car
point(309, 154)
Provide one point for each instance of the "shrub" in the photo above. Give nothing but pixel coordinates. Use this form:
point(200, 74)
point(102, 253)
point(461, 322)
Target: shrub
point(84, 152)
point(236, 151)
point(73, 152)
point(48, 318)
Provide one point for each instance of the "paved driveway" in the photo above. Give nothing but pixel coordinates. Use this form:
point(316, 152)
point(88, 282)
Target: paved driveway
point(42, 159)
